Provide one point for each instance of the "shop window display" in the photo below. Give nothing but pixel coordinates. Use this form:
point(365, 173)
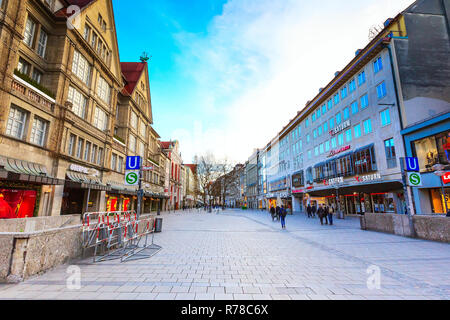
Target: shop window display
point(17, 203)
point(433, 150)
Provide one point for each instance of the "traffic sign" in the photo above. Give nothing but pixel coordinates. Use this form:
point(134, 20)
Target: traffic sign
point(149, 168)
point(132, 178)
point(412, 164)
point(414, 179)
point(133, 163)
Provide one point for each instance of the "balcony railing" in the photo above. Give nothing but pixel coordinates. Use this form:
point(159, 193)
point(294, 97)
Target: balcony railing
point(33, 94)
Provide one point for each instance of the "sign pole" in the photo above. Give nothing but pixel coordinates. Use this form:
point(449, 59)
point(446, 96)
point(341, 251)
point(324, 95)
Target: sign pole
point(140, 194)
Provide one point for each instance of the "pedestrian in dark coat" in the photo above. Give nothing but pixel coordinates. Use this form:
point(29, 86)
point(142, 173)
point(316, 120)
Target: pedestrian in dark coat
point(330, 214)
point(277, 210)
point(283, 214)
point(272, 213)
point(314, 210)
point(309, 210)
point(321, 213)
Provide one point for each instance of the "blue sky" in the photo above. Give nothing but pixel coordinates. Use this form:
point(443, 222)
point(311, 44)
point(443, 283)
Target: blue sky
point(227, 75)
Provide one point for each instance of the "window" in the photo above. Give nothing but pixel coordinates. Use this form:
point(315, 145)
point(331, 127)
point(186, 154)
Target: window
point(319, 131)
point(143, 130)
point(346, 113)
point(42, 44)
point(87, 33)
point(385, 117)
point(30, 30)
point(309, 154)
point(330, 104)
point(341, 139)
point(324, 109)
point(327, 145)
point(381, 90)
point(321, 148)
point(377, 65)
point(100, 119)
point(94, 153)
point(348, 135)
point(16, 123)
point(331, 123)
point(80, 147)
point(365, 160)
point(325, 127)
point(38, 131)
point(103, 90)
point(78, 101)
point(81, 67)
point(141, 151)
point(307, 123)
point(367, 126)
point(113, 162)
point(87, 151)
point(361, 78)
point(134, 120)
point(364, 101)
point(333, 143)
point(316, 151)
point(100, 156)
point(352, 85)
point(94, 40)
point(120, 164)
point(23, 66)
point(71, 147)
point(132, 143)
point(344, 93)
point(315, 133)
point(336, 99)
point(318, 114)
point(433, 150)
point(37, 75)
point(390, 153)
point(308, 138)
point(355, 107)
point(338, 118)
point(357, 130)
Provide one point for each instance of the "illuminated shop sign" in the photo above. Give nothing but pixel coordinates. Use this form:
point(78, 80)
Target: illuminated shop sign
point(337, 151)
point(370, 177)
point(333, 181)
point(446, 178)
point(340, 128)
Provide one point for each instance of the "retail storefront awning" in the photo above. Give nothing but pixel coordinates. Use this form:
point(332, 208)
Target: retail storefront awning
point(122, 189)
point(369, 187)
point(20, 170)
point(85, 182)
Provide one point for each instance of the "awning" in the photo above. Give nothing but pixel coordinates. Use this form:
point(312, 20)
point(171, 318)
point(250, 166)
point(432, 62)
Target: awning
point(369, 187)
point(21, 170)
point(85, 182)
point(120, 188)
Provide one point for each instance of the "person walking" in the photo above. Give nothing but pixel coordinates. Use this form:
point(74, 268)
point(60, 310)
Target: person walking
point(330, 214)
point(314, 210)
point(321, 214)
point(309, 210)
point(277, 211)
point(272, 213)
point(283, 214)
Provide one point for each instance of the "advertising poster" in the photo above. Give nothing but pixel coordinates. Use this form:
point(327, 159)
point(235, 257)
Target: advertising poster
point(17, 203)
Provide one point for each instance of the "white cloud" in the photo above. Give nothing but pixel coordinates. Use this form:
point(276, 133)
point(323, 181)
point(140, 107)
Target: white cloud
point(262, 60)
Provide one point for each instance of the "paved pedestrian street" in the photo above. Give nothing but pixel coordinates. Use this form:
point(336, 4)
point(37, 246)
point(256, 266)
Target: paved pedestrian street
point(238, 255)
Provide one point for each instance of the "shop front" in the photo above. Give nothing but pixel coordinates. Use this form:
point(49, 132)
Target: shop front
point(25, 189)
point(120, 197)
point(83, 191)
point(298, 183)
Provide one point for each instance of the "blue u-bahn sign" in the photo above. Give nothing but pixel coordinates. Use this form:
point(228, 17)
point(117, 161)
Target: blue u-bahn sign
point(133, 163)
point(412, 165)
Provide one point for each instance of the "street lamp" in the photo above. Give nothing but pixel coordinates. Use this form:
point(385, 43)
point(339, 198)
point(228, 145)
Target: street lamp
point(439, 171)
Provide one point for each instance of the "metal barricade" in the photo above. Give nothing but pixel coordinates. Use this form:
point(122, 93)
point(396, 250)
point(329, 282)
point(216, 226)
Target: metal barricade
point(118, 235)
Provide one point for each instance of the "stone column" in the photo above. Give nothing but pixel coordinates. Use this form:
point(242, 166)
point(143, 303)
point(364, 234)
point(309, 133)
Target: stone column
point(56, 200)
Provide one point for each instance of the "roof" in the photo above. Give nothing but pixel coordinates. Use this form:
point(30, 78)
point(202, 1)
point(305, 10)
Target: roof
point(81, 3)
point(193, 167)
point(165, 144)
point(132, 71)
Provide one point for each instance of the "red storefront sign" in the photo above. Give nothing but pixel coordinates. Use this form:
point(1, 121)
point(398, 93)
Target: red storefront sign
point(17, 203)
point(336, 151)
point(446, 178)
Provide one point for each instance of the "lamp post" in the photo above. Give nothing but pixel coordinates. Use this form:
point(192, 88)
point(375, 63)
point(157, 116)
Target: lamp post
point(439, 171)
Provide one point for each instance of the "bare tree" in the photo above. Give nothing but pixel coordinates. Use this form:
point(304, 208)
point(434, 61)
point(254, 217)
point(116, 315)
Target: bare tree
point(207, 173)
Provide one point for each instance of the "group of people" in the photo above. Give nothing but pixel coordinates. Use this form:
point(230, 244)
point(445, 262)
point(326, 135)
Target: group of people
point(324, 212)
point(280, 214)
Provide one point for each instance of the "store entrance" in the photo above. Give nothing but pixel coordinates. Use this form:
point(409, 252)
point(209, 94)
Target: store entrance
point(72, 202)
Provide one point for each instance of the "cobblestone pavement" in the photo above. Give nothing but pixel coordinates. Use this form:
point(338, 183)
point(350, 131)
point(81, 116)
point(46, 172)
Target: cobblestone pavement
point(237, 255)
